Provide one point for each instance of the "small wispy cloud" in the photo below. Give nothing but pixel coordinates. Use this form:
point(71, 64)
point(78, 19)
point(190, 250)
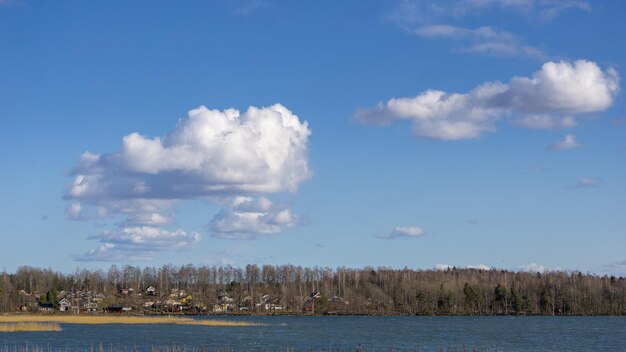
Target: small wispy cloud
point(435, 19)
point(407, 12)
point(472, 221)
point(403, 232)
point(567, 143)
point(587, 182)
point(482, 40)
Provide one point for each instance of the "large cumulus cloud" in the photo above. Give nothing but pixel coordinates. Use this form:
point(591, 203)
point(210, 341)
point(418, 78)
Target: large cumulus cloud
point(550, 98)
point(210, 154)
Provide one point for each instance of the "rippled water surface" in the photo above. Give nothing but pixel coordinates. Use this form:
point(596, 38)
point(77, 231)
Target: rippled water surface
point(343, 333)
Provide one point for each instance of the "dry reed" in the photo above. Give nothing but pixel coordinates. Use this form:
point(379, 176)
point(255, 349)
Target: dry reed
point(29, 326)
point(120, 319)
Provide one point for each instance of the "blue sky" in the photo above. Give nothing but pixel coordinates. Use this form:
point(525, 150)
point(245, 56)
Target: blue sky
point(382, 133)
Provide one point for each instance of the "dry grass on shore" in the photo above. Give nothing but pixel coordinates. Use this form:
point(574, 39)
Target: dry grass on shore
point(117, 319)
point(29, 326)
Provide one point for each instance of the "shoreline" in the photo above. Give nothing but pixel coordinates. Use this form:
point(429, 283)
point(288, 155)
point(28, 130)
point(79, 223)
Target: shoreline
point(117, 319)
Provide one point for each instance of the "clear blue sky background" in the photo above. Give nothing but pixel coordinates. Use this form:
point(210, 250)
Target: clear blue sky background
point(80, 75)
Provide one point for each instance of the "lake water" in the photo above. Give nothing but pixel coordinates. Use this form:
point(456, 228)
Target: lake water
point(343, 333)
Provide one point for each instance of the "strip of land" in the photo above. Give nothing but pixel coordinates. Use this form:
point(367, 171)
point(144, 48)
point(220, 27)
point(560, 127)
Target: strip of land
point(29, 326)
point(108, 319)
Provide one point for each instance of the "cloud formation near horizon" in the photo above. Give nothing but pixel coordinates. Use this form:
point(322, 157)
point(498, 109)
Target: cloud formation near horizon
point(138, 243)
point(534, 268)
point(445, 267)
point(403, 232)
point(217, 156)
point(550, 97)
point(246, 218)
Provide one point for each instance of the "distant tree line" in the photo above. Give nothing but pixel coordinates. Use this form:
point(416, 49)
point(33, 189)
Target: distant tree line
point(379, 291)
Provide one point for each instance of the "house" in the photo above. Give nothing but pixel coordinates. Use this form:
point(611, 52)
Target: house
point(90, 307)
point(46, 307)
point(98, 297)
point(127, 291)
point(264, 306)
point(222, 308)
point(172, 302)
point(176, 293)
point(315, 295)
point(200, 307)
point(65, 305)
point(222, 294)
point(172, 305)
point(151, 291)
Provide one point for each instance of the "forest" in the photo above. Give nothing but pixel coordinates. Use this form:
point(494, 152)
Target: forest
point(301, 290)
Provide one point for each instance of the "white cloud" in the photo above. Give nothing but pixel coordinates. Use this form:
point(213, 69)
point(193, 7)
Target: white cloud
point(109, 253)
point(210, 155)
point(544, 9)
point(403, 232)
point(74, 211)
point(246, 218)
point(616, 268)
point(138, 243)
point(534, 268)
point(435, 20)
point(559, 88)
point(410, 12)
point(442, 267)
point(567, 143)
point(483, 40)
point(479, 267)
point(587, 182)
